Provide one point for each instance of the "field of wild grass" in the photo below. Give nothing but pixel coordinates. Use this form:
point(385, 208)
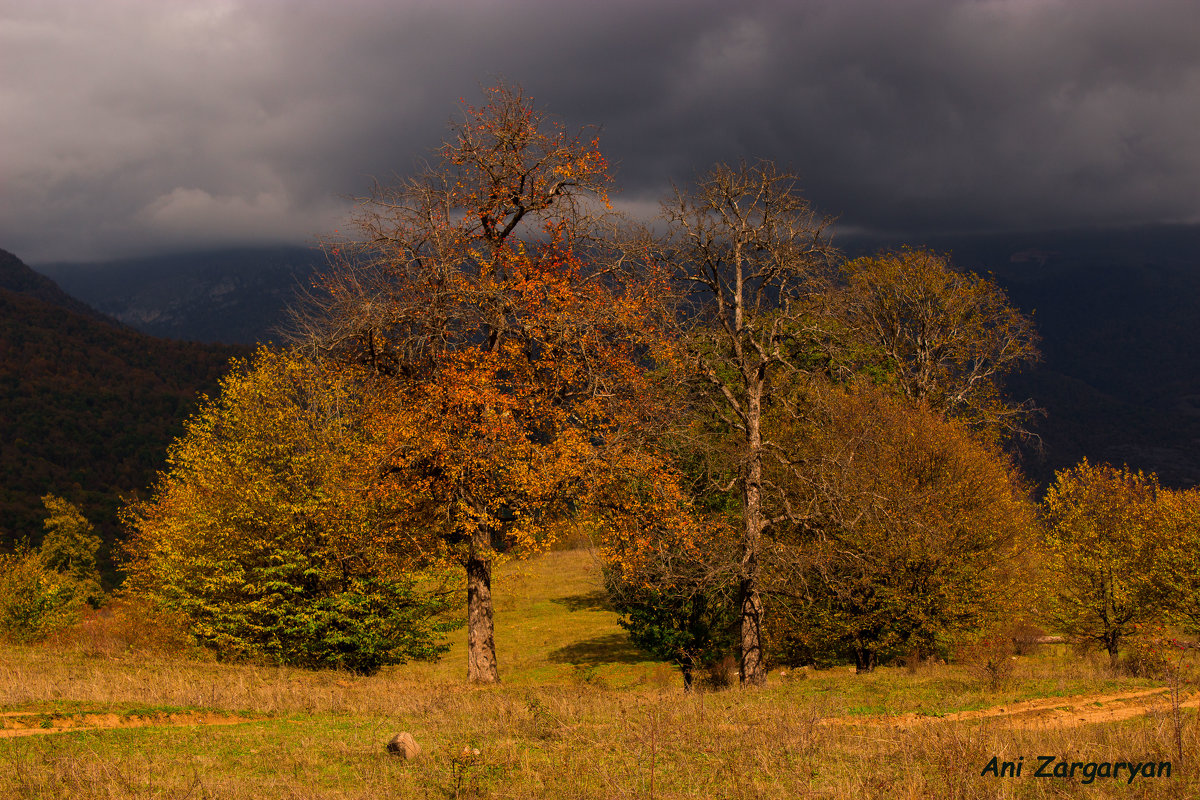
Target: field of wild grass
point(581, 714)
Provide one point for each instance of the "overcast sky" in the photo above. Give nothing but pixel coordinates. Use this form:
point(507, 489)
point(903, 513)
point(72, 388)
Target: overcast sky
point(140, 126)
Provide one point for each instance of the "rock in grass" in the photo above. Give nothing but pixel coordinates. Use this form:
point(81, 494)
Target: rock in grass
point(404, 745)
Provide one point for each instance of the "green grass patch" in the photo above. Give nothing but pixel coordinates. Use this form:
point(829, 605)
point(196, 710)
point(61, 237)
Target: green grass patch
point(581, 714)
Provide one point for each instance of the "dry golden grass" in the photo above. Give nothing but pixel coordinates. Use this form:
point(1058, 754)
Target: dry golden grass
point(581, 715)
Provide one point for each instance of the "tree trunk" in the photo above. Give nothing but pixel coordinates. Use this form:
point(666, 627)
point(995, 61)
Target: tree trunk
point(752, 670)
point(1113, 641)
point(481, 643)
point(864, 660)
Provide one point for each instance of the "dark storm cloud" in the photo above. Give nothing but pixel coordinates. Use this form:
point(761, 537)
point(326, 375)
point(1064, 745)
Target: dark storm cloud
point(135, 125)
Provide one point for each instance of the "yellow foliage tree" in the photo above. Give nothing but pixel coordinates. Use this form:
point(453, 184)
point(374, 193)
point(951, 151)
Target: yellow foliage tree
point(278, 531)
point(1105, 550)
point(941, 336)
point(1177, 561)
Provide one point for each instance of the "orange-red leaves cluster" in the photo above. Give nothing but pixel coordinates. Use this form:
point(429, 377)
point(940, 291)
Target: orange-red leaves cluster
point(515, 367)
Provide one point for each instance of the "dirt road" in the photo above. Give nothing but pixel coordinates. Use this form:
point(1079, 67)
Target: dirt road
point(1050, 712)
point(33, 723)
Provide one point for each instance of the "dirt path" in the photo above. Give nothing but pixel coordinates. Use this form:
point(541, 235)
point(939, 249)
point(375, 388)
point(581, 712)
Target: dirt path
point(33, 723)
point(1050, 712)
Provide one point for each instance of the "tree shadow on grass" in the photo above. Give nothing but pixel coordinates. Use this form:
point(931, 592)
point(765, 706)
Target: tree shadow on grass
point(611, 648)
point(592, 601)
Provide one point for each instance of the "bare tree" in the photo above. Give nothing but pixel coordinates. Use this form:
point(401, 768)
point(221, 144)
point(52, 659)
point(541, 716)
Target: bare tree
point(946, 337)
point(753, 261)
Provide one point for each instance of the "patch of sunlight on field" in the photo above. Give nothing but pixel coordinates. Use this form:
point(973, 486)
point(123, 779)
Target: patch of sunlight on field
point(580, 715)
point(553, 624)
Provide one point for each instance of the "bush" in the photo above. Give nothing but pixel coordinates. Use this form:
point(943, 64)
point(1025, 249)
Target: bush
point(35, 601)
point(1026, 638)
point(368, 625)
point(990, 658)
point(1148, 652)
point(689, 626)
point(124, 626)
point(679, 606)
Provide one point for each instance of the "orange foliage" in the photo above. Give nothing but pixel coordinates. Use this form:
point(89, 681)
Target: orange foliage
point(509, 340)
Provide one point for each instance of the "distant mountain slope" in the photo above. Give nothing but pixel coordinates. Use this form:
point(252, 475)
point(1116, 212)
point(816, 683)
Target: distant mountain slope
point(232, 296)
point(1118, 312)
point(87, 407)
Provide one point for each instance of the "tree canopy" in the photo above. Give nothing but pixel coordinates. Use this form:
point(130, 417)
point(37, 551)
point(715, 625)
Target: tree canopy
point(492, 359)
point(277, 532)
point(913, 532)
point(1109, 550)
point(943, 337)
point(480, 293)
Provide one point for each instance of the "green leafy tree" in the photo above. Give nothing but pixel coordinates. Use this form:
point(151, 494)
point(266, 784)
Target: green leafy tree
point(1106, 546)
point(70, 545)
point(43, 590)
point(678, 599)
point(272, 531)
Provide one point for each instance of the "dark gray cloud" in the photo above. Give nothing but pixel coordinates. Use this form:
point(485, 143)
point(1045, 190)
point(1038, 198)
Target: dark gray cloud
point(135, 125)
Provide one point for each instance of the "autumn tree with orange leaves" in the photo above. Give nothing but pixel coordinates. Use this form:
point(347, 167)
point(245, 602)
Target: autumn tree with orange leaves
point(482, 296)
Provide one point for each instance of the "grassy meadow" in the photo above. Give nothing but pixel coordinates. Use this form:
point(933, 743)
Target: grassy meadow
point(581, 714)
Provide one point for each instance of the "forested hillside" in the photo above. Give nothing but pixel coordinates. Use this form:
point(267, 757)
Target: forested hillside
point(87, 407)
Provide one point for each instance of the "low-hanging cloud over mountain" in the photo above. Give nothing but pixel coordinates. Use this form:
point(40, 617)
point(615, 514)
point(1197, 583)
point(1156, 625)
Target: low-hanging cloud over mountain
point(133, 126)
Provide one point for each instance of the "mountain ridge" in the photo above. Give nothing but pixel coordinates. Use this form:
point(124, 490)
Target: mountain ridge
point(235, 296)
point(19, 278)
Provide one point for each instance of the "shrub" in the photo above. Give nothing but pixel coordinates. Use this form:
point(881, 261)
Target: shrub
point(35, 600)
point(125, 626)
point(678, 605)
point(1148, 652)
point(990, 658)
point(1026, 637)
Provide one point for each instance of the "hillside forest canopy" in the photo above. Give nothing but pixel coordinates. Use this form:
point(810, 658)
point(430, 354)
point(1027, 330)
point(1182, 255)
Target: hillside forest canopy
point(780, 456)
